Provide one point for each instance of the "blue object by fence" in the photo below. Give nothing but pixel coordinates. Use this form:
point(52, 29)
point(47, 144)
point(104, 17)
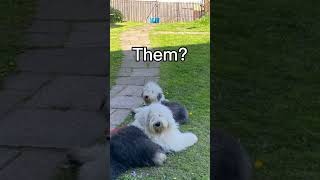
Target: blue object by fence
point(154, 20)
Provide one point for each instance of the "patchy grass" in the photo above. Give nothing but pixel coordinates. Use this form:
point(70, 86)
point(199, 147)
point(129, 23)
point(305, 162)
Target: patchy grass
point(116, 54)
point(15, 16)
point(188, 83)
point(199, 25)
point(268, 85)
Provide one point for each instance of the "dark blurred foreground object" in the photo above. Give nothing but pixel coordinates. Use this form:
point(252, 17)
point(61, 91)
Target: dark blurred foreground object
point(92, 162)
point(229, 161)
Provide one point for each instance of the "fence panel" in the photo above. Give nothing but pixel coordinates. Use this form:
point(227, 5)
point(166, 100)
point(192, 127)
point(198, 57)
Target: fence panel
point(142, 10)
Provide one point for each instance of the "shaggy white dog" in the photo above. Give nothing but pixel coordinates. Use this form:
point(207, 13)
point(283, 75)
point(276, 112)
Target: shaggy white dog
point(157, 122)
point(152, 92)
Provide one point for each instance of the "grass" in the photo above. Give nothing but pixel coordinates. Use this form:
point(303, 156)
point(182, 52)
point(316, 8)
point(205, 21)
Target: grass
point(199, 25)
point(267, 83)
point(115, 48)
point(186, 82)
point(15, 16)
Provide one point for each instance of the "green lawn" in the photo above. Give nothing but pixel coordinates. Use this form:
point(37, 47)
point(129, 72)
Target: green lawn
point(14, 18)
point(188, 83)
point(199, 25)
point(267, 71)
point(115, 47)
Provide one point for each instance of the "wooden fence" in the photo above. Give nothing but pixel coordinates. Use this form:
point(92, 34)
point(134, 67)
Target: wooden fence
point(141, 11)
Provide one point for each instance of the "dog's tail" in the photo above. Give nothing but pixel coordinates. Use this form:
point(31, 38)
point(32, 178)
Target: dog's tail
point(117, 169)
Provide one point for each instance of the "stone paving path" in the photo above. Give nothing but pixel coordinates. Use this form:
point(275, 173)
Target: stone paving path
point(55, 101)
point(132, 76)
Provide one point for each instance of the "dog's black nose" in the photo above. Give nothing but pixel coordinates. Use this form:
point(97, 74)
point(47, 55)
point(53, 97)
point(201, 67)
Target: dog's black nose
point(158, 124)
point(146, 97)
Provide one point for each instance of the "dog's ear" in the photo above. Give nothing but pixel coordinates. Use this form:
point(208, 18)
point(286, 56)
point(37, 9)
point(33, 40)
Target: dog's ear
point(159, 96)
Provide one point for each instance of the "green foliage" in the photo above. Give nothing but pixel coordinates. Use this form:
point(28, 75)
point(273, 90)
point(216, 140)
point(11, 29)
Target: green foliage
point(15, 16)
point(115, 16)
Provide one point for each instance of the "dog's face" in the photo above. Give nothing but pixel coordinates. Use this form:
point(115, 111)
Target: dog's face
point(152, 93)
point(150, 96)
point(160, 118)
point(157, 122)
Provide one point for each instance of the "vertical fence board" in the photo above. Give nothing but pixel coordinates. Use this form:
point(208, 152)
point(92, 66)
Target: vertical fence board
point(141, 11)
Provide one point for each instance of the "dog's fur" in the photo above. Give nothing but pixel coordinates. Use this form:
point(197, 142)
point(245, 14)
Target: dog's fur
point(157, 122)
point(230, 161)
point(130, 148)
point(180, 113)
point(153, 93)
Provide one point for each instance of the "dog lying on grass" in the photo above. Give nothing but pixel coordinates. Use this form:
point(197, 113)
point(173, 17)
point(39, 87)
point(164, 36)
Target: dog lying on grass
point(229, 160)
point(158, 123)
point(153, 93)
point(144, 142)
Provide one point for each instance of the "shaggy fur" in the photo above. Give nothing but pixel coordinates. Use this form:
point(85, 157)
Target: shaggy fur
point(180, 113)
point(152, 93)
point(157, 122)
point(230, 161)
point(131, 148)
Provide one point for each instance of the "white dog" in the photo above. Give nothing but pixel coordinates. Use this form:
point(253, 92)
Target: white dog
point(152, 92)
point(157, 122)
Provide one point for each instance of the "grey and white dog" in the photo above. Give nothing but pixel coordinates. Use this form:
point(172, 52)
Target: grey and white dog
point(153, 93)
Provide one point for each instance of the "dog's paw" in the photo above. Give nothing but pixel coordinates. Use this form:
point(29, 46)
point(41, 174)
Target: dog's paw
point(193, 138)
point(159, 158)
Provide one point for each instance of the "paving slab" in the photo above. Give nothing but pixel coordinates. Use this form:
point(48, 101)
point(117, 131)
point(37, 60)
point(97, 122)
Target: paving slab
point(89, 26)
point(155, 79)
point(40, 40)
point(49, 128)
point(25, 81)
point(138, 81)
point(72, 10)
point(146, 72)
point(88, 39)
point(33, 165)
point(118, 116)
point(75, 92)
point(132, 75)
point(124, 72)
point(131, 91)
point(125, 102)
point(7, 155)
point(116, 89)
point(82, 61)
point(88, 34)
point(39, 26)
point(10, 99)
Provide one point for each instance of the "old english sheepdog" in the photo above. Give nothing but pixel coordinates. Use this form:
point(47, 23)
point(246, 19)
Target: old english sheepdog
point(153, 93)
point(157, 122)
point(130, 147)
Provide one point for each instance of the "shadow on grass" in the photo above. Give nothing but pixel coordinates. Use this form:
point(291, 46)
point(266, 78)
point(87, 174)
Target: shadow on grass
point(113, 25)
point(267, 83)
